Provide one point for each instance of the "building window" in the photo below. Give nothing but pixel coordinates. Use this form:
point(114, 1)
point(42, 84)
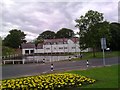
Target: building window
point(47, 48)
point(60, 47)
point(31, 51)
point(73, 47)
point(26, 51)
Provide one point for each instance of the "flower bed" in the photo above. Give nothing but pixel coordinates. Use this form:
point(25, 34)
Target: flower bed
point(47, 82)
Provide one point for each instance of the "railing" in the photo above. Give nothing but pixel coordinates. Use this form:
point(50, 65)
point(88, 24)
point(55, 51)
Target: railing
point(34, 59)
point(13, 56)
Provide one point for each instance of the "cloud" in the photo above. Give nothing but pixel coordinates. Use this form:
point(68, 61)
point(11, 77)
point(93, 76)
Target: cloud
point(34, 17)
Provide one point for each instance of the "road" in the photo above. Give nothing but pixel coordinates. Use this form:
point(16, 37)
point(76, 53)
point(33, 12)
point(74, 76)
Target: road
point(21, 70)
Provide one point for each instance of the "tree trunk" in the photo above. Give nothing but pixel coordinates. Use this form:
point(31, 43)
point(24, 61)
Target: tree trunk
point(94, 52)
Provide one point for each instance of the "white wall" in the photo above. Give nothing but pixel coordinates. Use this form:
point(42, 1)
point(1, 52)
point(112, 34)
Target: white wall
point(23, 50)
point(56, 48)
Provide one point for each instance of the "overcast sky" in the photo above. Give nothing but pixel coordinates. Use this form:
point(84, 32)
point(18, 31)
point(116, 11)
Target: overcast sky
point(34, 16)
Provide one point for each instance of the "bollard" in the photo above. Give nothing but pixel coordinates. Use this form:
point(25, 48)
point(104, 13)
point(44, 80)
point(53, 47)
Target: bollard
point(87, 64)
point(43, 60)
point(51, 67)
point(69, 58)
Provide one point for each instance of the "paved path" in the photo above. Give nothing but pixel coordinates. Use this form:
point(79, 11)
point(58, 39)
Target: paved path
point(20, 70)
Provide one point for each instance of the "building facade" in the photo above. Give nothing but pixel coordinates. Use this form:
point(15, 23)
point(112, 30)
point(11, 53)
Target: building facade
point(53, 46)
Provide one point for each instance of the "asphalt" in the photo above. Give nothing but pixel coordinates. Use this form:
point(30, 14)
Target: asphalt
point(21, 70)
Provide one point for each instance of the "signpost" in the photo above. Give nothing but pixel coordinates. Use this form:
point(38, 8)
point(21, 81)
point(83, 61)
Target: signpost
point(103, 46)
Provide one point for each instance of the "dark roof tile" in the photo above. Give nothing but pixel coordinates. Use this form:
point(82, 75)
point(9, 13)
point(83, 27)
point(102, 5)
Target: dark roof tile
point(27, 45)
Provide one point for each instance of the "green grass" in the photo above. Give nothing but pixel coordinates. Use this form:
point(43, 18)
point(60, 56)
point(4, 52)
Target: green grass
point(107, 77)
point(89, 55)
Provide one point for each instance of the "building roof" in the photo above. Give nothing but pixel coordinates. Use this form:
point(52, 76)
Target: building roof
point(55, 40)
point(46, 41)
point(75, 39)
point(27, 45)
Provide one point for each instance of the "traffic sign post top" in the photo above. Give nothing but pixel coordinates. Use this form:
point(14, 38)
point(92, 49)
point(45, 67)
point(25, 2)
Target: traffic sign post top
point(103, 43)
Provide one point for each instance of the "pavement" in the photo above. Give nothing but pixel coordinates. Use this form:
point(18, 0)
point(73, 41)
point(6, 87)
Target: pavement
point(21, 70)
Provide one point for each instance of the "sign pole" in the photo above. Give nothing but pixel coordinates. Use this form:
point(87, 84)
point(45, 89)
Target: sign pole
point(103, 57)
point(103, 46)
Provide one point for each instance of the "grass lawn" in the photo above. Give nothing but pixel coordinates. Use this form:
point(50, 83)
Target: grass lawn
point(89, 55)
point(107, 77)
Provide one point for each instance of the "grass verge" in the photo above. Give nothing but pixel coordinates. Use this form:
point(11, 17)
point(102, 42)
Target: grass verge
point(89, 55)
point(107, 77)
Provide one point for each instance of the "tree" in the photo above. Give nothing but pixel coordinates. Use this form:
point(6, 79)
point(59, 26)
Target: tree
point(14, 38)
point(64, 33)
point(46, 35)
point(0, 41)
point(38, 41)
point(91, 29)
point(115, 36)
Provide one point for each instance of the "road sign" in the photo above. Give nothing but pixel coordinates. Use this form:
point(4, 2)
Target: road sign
point(103, 46)
point(103, 43)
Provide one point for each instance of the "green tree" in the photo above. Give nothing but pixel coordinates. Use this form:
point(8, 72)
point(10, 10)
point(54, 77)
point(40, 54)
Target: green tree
point(65, 33)
point(46, 35)
point(0, 46)
point(115, 36)
point(38, 41)
point(14, 38)
point(91, 29)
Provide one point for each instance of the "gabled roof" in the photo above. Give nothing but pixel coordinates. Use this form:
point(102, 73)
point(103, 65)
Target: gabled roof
point(46, 41)
point(75, 39)
point(27, 45)
point(55, 40)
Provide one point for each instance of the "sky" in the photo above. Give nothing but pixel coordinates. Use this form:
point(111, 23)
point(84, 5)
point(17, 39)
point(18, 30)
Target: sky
point(36, 16)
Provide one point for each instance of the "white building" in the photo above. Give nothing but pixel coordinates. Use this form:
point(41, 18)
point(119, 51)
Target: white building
point(53, 46)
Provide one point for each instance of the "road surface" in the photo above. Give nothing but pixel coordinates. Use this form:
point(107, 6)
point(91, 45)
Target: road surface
point(21, 70)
